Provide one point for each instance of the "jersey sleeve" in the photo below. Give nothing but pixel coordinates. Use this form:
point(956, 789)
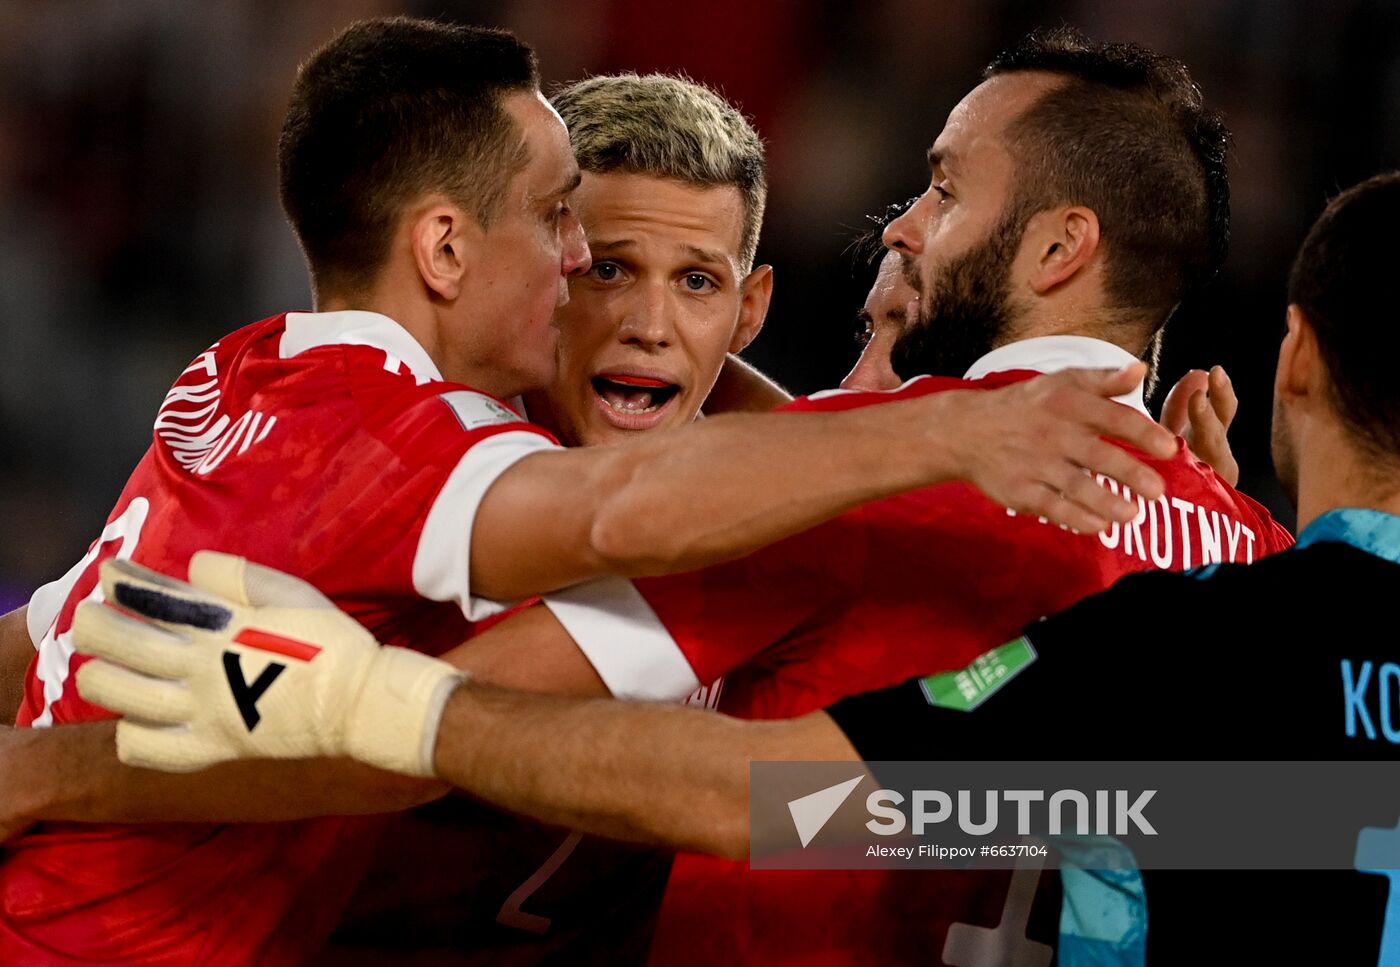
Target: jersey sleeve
point(832, 400)
point(661, 638)
point(491, 439)
point(1095, 677)
point(47, 602)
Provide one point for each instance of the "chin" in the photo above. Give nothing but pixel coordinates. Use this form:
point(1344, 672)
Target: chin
point(598, 431)
point(537, 375)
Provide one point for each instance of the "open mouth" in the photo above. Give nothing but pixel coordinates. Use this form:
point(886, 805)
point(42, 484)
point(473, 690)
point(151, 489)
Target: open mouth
point(634, 395)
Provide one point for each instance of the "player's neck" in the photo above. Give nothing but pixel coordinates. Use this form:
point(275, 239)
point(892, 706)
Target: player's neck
point(1336, 472)
point(1077, 317)
point(416, 317)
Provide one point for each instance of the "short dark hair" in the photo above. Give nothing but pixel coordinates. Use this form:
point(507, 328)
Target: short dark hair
point(1343, 280)
point(389, 110)
point(1128, 136)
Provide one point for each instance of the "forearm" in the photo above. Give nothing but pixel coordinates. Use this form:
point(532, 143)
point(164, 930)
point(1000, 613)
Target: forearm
point(16, 652)
point(651, 773)
point(71, 773)
point(742, 388)
point(744, 481)
point(680, 500)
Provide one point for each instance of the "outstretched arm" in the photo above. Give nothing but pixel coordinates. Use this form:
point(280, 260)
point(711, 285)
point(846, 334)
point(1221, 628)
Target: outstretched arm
point(655, 773)
point(659, 774)
point(71, 772)
point(714, 491)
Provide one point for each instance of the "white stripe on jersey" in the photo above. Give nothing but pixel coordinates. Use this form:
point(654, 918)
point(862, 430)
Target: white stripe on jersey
point(442, 561)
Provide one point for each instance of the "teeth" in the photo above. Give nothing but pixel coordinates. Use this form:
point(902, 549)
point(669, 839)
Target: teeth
point(633, 401)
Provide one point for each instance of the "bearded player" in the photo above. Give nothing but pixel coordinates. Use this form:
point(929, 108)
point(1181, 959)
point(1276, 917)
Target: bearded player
point(1029, 253)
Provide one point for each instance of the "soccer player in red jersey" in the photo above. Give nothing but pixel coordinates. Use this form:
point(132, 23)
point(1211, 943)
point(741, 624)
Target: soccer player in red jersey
point(671, 201)
point(367, 447)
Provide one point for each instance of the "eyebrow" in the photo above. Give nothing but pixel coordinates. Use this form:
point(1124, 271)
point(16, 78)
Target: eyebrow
point(611, 245)
point(571, 183)
point(704, 255)
point(940, 158)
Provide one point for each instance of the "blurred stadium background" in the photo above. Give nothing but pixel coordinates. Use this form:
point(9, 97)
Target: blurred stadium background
point(139, 218)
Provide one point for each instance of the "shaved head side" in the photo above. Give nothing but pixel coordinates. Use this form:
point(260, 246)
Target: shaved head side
point(1126, 134)
point(388, 111)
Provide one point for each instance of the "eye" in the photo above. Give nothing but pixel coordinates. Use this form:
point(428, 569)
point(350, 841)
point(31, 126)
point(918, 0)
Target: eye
point(606, 271)
point(865, 330)
point(557, 215)
point(943, 193)
point(695, 282)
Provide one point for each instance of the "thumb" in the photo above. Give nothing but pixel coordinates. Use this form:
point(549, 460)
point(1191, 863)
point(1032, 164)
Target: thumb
point(240, 580)
point(1176, 408)
point(1222, 396)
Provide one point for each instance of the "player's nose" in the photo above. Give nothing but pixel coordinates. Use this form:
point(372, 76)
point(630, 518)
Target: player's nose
point(648, 320)
point(575, 258)
point(905, 233)
point(872, 372)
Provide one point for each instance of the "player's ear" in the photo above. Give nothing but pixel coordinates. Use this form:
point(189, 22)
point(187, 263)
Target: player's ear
point(1062, 241)
point(1300, 369)
point(443, 239)
point(757, 290)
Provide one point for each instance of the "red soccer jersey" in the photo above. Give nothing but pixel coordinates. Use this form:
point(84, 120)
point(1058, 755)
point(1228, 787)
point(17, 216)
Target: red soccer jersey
point(912, 585)
point(324, 445)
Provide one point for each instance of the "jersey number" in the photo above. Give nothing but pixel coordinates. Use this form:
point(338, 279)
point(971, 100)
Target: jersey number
point(511, 915)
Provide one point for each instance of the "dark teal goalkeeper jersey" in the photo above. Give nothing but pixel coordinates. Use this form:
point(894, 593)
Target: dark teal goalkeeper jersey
point(1296, 657)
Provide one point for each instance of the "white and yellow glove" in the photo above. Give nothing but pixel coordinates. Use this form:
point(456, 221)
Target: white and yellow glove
point(247, 662)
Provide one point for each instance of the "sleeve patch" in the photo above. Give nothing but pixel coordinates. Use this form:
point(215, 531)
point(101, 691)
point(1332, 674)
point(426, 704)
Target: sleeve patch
point(476, 410)
point(969, 687)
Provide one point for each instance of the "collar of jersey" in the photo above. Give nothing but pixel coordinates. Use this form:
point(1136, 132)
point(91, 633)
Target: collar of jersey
point(358, 327)
point(1050, 354)
point(1373, 531)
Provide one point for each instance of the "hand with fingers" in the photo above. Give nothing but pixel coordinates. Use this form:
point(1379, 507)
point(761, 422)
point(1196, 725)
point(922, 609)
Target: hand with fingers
point(1200, 408)
point(1035, 446)
point(247, 662)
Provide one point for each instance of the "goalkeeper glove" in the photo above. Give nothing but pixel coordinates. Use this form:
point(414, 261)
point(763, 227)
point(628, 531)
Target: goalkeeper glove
point(248, 662)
